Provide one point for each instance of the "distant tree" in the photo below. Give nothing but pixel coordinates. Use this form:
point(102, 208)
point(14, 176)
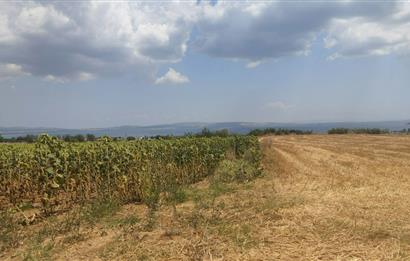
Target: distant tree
point(358, 131)
point(256, 132)
point(27, 138)
point(205, 132)
point(90, 137)
point(31, 138)
point(188, 134)
point(222, 133)
point(272, 131)
point(130, 138)
point(338, 131)
point(79, 138)
point(1, 138)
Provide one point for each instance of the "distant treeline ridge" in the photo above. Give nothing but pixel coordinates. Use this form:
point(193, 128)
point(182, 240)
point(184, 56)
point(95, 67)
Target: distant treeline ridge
point(208, 133)
point(366, 131)
point(280, 131)
point(203, 133)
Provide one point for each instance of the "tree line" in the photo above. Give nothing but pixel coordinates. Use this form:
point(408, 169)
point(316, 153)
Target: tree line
point(280, 131)
point(32, 138)
point(358, 131)
point(205, 132)
point(91, 137)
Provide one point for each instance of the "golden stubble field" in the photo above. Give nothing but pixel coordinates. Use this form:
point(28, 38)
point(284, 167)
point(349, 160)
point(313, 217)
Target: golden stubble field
point(351, 193)
point(323, 197)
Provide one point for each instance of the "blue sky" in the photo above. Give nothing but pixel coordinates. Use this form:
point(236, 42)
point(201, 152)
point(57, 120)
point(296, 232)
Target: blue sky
point(183, 62)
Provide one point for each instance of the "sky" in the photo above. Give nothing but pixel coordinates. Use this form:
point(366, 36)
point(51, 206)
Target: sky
point(85, 64)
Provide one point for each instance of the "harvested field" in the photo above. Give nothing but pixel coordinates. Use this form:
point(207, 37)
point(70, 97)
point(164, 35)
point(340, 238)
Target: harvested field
point(353, 194)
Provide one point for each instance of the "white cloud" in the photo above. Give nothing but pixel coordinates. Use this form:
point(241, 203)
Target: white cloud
point(81, 76)
point(38, 19)
point(10, 70)
point(85, 76)
point(66, 40)
point(360, 37)
point(272, 30)
point(63, 41)
point(172, 77)
point(278, 106)
point(252, 65)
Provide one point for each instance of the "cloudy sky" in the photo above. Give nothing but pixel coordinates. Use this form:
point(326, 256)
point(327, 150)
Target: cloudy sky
point(100, 63)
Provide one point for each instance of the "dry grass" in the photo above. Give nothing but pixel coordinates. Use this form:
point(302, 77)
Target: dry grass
point(322, 198)
point(355, 191)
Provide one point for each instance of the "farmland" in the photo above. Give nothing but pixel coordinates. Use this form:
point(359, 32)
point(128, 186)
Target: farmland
point(57, 174)
point(321, 197)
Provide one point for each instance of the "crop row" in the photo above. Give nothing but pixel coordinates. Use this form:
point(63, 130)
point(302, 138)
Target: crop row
point(55, 174)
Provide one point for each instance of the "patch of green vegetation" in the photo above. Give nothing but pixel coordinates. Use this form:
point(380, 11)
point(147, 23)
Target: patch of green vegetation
point(358, 131)
point(280, 131)
point(111, 250)
point(129, 220)
point(39, 252)
point(180, 196)
point(26, 206)
point(241, 234)
point(9, 230)
point(228, 177)
point(73, 238)
point(238, 170)
point(276, 202)
point(98, 210)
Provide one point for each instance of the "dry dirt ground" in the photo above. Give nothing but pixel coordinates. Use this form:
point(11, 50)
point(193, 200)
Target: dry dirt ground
point(323, 197)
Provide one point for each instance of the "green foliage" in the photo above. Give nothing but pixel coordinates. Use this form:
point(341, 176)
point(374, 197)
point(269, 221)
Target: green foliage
point(208, 133)
point(358, 131)
point(90, 137)
point(238, 170)
point(9, 230)
point(280, 131)
point(78, 138)
point(338, 131)
point(27, 138)
point(97, 210)
point(58, 174)
point(32, 138)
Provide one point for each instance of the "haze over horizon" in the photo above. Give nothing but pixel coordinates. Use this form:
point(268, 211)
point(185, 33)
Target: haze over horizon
point(93, 64)
point(179, 124)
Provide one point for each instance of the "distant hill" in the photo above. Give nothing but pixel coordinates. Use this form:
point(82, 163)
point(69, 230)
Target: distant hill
point(194, 127)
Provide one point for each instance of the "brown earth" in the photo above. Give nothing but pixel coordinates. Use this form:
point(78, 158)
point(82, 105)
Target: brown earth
point(323, 197)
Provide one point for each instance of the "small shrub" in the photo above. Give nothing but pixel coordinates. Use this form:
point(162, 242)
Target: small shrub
point(237, 170)
point(9, 230)
point(100, 209)
point(129, 220)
